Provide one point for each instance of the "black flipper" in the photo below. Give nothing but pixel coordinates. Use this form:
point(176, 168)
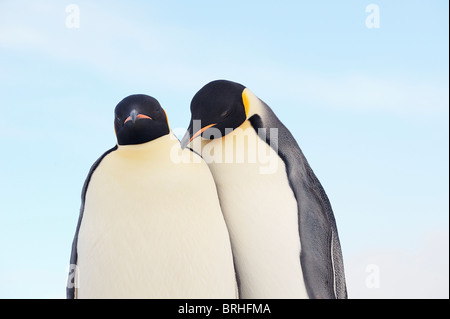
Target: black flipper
point(71, 285)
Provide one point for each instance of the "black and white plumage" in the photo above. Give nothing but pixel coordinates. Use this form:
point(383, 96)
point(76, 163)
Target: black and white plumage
point(144, 231)
point(283, 231)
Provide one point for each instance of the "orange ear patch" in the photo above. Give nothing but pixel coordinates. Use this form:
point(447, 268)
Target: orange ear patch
point(246, 102)
point(167, 119)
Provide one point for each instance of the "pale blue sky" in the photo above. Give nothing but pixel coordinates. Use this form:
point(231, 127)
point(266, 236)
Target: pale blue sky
point(369, 108)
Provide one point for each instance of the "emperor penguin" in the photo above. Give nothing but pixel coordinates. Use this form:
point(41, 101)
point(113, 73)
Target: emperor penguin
point(283, 232)
point(144, 229)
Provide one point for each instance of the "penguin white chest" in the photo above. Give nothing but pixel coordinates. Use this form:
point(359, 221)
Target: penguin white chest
point(145, 233)
point(260, 210)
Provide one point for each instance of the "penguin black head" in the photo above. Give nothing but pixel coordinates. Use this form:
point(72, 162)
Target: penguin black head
point(220, 105)
point(139, 119)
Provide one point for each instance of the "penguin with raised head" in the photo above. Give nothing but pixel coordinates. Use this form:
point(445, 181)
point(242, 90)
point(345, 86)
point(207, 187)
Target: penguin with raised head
point(283, 232)
point(144, 229)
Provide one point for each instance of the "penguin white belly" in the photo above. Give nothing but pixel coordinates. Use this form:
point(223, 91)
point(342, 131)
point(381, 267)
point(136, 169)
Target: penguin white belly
point(261, 214)
point(148, 231)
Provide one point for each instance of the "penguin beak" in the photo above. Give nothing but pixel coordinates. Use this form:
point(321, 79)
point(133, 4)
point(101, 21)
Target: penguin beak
point(188, 137)
point(134, 115)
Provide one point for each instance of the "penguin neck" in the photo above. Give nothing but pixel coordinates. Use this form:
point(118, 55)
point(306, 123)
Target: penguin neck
point(255, 105)
point(161, 145)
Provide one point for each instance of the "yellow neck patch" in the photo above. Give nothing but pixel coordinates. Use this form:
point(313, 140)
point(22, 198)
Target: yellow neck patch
point(167, 119)
point(246, 102)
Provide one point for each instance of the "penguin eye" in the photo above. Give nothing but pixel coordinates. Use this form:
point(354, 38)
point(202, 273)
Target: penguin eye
point(225, 113)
